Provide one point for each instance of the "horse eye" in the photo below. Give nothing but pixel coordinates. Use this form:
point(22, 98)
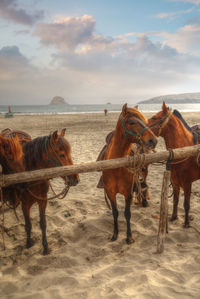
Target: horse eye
point(154, 118)
point(62, 156)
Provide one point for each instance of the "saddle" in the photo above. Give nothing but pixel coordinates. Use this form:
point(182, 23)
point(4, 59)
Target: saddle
point(196, 130)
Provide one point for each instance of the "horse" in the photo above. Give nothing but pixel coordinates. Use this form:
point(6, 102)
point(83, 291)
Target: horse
point(43, 152)
point(130, 128)
point(177, 133)
point(11, 160)
point(136, 148)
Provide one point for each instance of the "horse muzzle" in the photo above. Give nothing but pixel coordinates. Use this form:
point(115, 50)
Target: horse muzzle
point(72, 180)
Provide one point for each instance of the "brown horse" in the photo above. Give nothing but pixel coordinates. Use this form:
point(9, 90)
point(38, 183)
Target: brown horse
point(11, 160)
point(176, 133)
point(131, 128)
point(43, 152)
point(136, 148)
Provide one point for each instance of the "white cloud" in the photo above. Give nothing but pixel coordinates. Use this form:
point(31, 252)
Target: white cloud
point(186, 39)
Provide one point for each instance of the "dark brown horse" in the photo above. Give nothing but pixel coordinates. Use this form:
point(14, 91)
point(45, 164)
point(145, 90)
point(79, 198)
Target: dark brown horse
point(176, 133)
point(43, 152)
point(131, 128)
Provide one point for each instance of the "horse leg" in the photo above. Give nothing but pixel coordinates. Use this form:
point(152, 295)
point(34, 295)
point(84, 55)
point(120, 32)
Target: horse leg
point(127, 214)
point(176, 190)
point(42, 208)
point(145, 194)
point(187, 192)
point(26, 205)
point(115, 217)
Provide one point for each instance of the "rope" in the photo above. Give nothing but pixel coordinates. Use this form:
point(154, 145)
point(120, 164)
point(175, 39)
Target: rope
point(60, 195)
point(136, 170)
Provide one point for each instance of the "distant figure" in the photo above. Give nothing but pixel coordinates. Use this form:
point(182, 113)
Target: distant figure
point(105, 112)
point(9, 109)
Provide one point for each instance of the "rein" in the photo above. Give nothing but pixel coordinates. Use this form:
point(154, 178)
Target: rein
point(162, 122)
point(135, 134)
point(49, 159)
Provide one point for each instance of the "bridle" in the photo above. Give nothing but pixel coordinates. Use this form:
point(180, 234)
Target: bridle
point(162, 122)
point(55, 162)
point(135, 134)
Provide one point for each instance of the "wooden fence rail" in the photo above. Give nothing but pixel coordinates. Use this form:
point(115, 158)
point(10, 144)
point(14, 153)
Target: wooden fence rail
point(179, 153)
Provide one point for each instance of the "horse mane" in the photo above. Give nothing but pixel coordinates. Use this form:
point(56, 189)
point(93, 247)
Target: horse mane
point(178, 114)
point(14, 147)
point(137, 113)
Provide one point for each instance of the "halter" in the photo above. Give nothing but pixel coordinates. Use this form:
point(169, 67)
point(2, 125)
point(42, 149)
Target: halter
point(135, 134)
point(48, 157)
point(162, 122)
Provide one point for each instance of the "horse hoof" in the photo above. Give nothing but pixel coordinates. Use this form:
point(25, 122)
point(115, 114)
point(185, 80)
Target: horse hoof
point(29, 244)
point(173, 218)
point(46, 251)
point(186, 225)
point(130, 241)
point(145, 204)
point(114, 238)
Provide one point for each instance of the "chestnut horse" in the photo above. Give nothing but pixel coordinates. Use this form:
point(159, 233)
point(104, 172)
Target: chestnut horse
point(131, 128)
point(136, 148)
point(176, 133)
point(11, 160)
point(43, 152)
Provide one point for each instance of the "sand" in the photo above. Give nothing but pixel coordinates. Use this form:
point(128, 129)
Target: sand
point(83, 262)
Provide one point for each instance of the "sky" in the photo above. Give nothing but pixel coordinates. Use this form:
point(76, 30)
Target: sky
point(98, 51)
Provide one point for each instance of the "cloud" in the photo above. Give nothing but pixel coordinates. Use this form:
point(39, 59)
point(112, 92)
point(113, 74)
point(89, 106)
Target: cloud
point(173, 15)
point(186, 39)
point(196, 2)
point(67, 33)
point(9, 10)
point(89, 67)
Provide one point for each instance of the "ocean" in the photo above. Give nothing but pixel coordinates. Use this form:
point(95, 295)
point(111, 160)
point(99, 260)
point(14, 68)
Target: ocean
point(76, 109)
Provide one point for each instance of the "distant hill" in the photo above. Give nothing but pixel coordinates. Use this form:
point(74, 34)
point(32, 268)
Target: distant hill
point(58, 101)
point(182, 98)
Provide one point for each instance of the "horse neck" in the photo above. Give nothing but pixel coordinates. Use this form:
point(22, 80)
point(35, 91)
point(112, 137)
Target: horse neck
point(33, 154)
point(120, 145)
point(176, 135)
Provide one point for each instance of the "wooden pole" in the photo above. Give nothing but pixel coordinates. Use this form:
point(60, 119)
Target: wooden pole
point(179, 153)
point(163, 223)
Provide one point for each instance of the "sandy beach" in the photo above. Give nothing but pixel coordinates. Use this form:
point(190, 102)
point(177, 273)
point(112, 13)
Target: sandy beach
point(83, 262)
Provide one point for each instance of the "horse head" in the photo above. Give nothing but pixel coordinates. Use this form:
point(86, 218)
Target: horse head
point(158, 122)
point(135, 129)
point(59, 154)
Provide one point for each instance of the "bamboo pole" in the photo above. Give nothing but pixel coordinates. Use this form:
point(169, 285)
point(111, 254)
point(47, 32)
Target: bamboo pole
point(163, 223)
point(28, 176)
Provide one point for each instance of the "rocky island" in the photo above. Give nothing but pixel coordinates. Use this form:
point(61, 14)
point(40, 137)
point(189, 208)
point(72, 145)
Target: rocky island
point(58, 101)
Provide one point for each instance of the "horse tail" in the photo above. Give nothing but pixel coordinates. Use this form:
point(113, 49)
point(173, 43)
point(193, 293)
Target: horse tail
point(107, 199)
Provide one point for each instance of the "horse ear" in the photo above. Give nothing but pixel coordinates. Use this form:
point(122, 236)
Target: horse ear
point(136, 107)
point(63, 132)
point(164, 107)
point(54, 136)
point(124, 109)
